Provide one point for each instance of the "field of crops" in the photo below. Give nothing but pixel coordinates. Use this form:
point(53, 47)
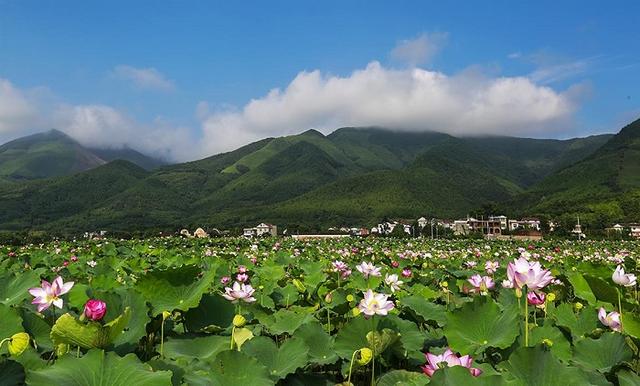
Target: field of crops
point(280, 311)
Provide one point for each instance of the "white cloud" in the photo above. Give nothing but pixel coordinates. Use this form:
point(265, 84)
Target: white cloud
point(146, 78)
point(106, 127)
point(411, 99)
point(419, 50)
point(17, 111)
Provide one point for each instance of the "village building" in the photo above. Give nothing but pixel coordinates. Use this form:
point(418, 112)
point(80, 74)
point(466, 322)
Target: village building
point(261, 230)
point(524, 224)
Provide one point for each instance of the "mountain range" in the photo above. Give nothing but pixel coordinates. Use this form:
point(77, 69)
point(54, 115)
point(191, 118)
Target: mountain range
point(310, 181)
point(55, 154)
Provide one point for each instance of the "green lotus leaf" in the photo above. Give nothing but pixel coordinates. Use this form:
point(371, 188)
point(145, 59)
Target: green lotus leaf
point(580, 323)
point(319, 342)
point(602, 353)
point(202, 347)
point(241, 336)
point(631, 324)
point(352, 336)
point(213, 310)
point(285, 321)
point(14, 287)
point(402, 378)
point(458, 375)
point(481, 324)
point(581, 288)
point(380, 340)
point(175, 288)
point(10, 323)
point(237, 368)
point(69, 330)
point(38, 328)
point(536, 366)
point(560, 346)
point(282, 361)
point(13, 373)
point(426, 309)
point(627, 378)
point(99, 368)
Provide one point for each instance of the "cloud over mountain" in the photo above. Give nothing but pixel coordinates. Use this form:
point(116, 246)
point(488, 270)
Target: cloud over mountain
point(412, 99)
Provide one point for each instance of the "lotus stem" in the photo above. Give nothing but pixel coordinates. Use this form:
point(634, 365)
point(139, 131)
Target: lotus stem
point(162, 338)
point(526, 324)
point(373, 357)
point(328, 321)
point(353, 357)
point(620, 308)
point(233, 331)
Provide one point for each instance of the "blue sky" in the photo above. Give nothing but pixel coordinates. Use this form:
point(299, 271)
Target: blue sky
point(179, 69)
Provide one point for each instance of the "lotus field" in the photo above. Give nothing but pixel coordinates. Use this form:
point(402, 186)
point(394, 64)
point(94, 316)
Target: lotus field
point(371, 311)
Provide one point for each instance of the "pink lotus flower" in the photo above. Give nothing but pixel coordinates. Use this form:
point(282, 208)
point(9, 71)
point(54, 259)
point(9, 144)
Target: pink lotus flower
point(95, 309)
point(242, 277)
point(491, 267)
point(242, 269)
point(406, 272)
point(448, 359)
point(611, 320)
point(536, 298)
point(368, 269)
point(375, 304)
point(239, 292)
point(623, 279)
point(339, 266)
point(49, 294)
point(74, 258)
point(225, 279)
point(481, 284)
point(522, 273)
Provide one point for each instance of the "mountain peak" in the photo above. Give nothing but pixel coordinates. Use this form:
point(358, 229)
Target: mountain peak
point(313, 132)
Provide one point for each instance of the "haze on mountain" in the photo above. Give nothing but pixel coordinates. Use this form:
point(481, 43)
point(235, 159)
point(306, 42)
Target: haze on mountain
point(311, 181)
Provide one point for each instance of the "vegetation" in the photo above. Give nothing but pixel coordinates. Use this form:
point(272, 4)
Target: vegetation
point(306, 182)
point(232, 311)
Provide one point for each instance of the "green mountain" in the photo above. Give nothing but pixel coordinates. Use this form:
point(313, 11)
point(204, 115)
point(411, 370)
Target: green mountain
point(305, 181)
point(54, 154)
point(603, 187)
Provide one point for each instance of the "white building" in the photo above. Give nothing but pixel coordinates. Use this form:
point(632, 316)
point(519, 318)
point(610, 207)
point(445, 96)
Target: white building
point(260, 230)
point(502, 219)
point(525, 223)
point(634, 230)
point(422, 222)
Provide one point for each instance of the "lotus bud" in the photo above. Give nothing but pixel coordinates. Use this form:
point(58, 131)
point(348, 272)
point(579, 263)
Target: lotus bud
point(518, 293)
point(328, 297)
point(366, 354)
point(239, 321)
point(18, 343)
point(95, 309)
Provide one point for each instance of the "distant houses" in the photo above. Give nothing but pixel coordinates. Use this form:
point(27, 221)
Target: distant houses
point(631, 229)
point(260, 230)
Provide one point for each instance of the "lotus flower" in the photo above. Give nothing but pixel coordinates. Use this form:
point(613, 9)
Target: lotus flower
point(522, 273)
point(95, 309)
point(339, 266)
point(393, 282)
point(48, 294)
point(611, 320)
point(536, 298)
point(448, 359)
point(368, 269)
point(491, 267)
point(623, 279)
point(481, 284)
point(239, 292)
point(375, 304)
point(406, 272)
